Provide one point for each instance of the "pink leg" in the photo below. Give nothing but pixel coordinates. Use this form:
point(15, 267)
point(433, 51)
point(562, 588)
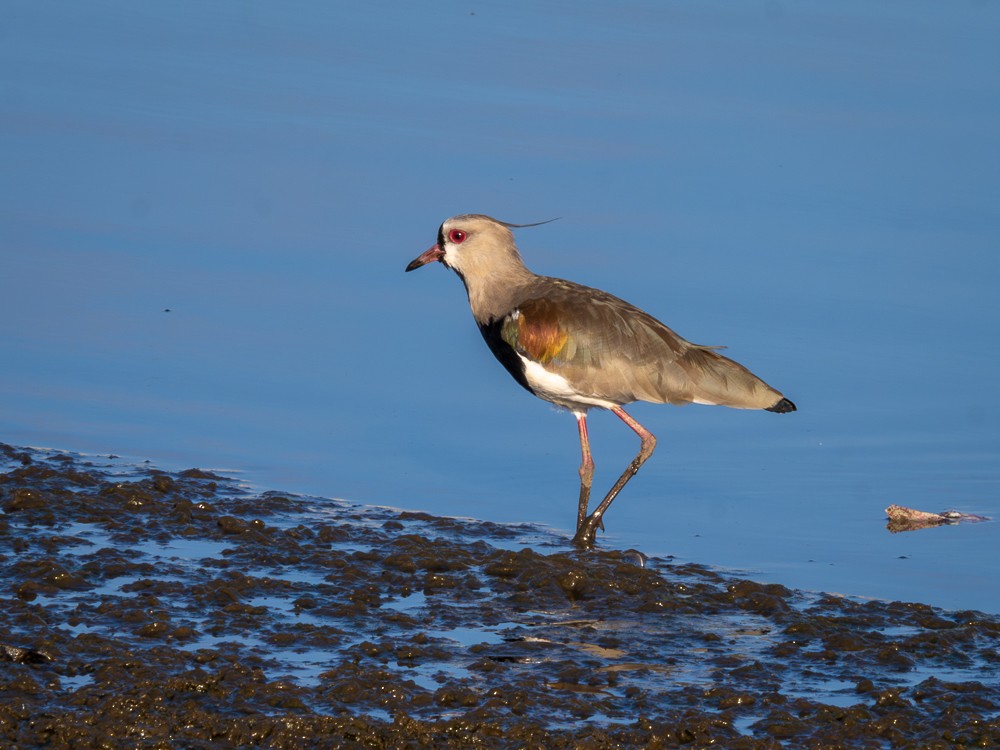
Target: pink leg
point(586, 531)
point(586, 470)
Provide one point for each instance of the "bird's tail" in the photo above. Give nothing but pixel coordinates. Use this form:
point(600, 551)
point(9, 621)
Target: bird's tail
point(719, 380)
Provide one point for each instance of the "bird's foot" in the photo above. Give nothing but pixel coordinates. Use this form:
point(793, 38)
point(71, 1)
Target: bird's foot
point(586, 532)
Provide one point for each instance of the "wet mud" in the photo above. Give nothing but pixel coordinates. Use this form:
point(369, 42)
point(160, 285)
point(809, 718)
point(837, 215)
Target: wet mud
point(146, 609)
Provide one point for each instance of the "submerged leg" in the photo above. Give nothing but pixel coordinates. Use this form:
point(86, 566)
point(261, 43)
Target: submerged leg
point(586, 469)
point(587, 530)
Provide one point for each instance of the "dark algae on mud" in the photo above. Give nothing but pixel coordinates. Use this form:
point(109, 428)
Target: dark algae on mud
point(146, 609)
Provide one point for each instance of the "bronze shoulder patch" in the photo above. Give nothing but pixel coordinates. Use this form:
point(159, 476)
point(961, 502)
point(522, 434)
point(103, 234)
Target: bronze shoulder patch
point(537, 332)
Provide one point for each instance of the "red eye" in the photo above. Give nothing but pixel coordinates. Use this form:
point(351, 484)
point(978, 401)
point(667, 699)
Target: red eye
point(457, 236)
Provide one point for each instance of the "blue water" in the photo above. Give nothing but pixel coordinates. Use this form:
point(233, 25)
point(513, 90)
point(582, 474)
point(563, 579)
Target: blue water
point(205, 211)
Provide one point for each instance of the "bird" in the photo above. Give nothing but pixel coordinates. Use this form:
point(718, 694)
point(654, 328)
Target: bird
point(581, 348)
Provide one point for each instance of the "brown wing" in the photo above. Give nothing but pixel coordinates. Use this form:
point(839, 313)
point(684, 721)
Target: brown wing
point(609, 349)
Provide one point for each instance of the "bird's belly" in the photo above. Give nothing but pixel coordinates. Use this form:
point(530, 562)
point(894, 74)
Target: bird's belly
point(554, 387)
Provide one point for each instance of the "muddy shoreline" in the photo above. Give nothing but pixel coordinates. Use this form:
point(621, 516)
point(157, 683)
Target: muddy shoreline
point(142, 608)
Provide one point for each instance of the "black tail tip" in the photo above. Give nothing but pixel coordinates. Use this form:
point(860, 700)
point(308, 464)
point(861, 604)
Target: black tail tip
point(782, 407)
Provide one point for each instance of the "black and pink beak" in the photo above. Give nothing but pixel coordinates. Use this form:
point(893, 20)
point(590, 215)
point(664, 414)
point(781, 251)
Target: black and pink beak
point(433, 254)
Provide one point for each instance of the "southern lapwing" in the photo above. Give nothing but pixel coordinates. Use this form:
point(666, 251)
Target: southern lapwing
point(580, 347)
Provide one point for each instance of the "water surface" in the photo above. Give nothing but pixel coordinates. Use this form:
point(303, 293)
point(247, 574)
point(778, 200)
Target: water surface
point(206, 211)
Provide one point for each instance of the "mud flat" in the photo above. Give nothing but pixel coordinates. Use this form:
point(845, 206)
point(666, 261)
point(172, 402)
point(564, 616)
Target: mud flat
point(146, 609)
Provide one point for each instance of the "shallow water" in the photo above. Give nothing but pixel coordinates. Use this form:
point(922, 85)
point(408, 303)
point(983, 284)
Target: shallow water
point(206, 212)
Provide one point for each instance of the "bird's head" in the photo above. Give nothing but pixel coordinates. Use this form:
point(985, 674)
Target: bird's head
point(471, 244)
point(474, 245)
point(482, 252)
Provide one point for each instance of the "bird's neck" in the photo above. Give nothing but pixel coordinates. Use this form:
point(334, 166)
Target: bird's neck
point(493, 295)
